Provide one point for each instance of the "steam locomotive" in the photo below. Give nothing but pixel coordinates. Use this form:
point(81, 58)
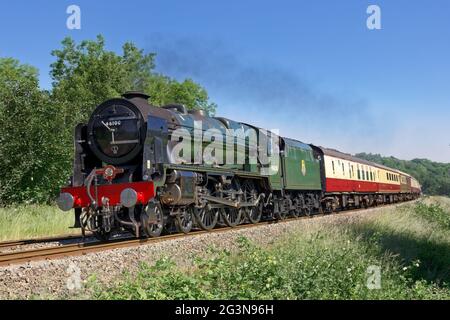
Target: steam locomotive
point(128, 174)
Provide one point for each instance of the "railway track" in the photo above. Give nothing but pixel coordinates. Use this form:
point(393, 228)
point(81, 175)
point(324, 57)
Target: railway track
point(23, 242)
point(77, 249)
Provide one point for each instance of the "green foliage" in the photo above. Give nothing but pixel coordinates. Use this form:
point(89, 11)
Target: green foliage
point(291, 272)
point(433, 176)
point(323, 263)
point(36, 140)
point(165, 90)
point(87, 74)
point(30, 150)
point(434, 213)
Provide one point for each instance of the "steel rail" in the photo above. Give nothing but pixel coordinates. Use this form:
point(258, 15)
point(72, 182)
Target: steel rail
point(22, 242)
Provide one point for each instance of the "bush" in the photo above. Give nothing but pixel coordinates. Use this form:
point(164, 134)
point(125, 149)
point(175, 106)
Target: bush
point(433, 213)
point(323, 266)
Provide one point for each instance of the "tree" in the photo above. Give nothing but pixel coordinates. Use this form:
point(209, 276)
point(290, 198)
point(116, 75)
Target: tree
point(86, 74)
point(30, 151)
point(165, 90)
point(37, 127)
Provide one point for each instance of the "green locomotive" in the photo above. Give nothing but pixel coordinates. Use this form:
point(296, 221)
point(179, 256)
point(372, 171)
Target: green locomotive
point(145, 169)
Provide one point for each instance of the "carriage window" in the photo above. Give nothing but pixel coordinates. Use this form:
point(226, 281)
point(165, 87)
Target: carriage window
point(332, 164)
point(359, 174)
point(343, 169)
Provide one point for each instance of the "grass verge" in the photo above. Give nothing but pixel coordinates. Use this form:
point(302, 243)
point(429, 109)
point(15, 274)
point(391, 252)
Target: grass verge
point(409, 245)
point(32, 221)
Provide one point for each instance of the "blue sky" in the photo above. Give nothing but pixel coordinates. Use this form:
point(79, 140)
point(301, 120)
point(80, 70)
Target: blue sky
point(309, 68)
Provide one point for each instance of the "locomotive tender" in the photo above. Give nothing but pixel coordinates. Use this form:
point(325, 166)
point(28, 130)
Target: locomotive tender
point(129, 175)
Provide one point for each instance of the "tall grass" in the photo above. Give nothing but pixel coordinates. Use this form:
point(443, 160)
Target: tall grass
point(316, 262)
point(30, 221)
